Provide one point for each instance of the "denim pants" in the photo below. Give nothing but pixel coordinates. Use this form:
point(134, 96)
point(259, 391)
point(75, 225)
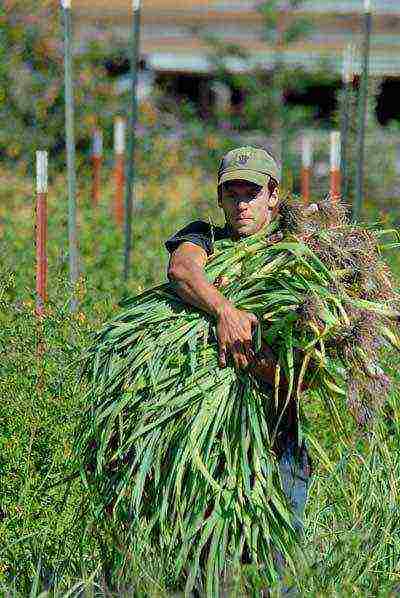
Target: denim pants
point(295, 470)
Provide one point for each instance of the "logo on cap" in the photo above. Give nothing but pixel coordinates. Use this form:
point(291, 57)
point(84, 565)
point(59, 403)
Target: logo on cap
point(242, 159)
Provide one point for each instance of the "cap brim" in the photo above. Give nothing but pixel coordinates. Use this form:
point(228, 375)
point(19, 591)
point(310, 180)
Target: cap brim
point(244, 175)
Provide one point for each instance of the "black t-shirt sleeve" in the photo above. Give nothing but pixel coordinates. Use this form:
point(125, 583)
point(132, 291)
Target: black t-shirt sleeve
point(197, 232)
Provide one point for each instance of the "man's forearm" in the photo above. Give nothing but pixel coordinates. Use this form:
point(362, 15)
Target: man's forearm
point(234, 327)
point(196, 290)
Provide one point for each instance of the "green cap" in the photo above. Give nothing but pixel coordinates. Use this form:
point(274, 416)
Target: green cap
point(248, 164)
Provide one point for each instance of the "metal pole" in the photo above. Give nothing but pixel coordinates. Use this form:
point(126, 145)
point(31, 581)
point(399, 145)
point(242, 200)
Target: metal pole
point(130, 171)
point(41, 232)
point(70, 134)
point(362, 111)
point(279, 91)
point(348, 74)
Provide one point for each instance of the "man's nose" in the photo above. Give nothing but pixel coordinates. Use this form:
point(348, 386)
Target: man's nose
point(242, 204)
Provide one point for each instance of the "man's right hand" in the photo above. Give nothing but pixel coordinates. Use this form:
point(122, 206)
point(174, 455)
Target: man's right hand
point(235, 333)
point(234, 326)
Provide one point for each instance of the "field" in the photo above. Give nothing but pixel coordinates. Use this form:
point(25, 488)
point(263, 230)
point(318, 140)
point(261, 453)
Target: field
point(48, 545)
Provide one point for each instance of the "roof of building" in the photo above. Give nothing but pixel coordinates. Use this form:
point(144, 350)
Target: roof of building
point(171, 38)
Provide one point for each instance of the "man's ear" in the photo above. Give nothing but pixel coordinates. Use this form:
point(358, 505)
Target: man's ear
point(274, 198)
point(219, 191)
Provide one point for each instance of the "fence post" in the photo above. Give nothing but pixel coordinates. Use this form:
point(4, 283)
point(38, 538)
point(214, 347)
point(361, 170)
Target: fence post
point(335, 183)
point(133, 108)
point(348, 75)
point(306, 161)
point(362, 110)
point(97, 159)
point(119, 172)
point(41, 231)
point(70, 134)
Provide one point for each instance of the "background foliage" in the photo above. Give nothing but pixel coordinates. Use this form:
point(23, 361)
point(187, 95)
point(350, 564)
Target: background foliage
point(352, 523)
point(32, 81)
point(352, 542)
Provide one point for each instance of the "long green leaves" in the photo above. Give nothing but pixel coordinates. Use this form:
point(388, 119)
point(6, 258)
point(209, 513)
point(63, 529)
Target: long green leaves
point(189, 448)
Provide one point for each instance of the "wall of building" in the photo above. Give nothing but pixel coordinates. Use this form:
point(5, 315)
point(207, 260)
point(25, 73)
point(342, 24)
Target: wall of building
point(172, 41)
point(171, 31)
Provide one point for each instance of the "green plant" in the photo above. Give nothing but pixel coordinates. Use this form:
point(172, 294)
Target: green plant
point(32, 82)
point(173, 441)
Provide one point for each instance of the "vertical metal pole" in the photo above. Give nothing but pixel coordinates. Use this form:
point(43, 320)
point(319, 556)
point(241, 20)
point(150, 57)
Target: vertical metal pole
point(130, 171)
point(335, 184)
point(70, 134)
point(306, 161)
point(119, 169)
point(97, 158)
point(362, 111)
point(41, 231)
point(348, 74)
point(279, 91)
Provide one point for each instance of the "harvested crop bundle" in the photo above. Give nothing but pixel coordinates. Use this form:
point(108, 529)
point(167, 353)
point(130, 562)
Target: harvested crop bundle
point(189, 448)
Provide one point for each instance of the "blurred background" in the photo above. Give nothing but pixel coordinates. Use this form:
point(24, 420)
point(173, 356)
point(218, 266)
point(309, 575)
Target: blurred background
point(246, 71)
point(212, 75)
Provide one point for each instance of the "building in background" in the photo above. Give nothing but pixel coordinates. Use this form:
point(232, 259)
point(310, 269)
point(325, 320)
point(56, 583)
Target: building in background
point(175, 52)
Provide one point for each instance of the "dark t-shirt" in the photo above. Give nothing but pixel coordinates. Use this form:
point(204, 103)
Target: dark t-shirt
point(203, 234)
point(200, 233)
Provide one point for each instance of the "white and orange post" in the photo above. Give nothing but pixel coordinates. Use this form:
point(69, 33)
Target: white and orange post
point(119, 172)
point(348, 76)
point(306, 165)
point(97, 161)
point(335, 174)
point(41, 232)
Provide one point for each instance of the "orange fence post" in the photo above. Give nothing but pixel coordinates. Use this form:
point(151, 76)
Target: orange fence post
point(41, 231)
point(335, 182)
point(41, 261)
point(97, 159)
point(119, 150)
point(306, 163)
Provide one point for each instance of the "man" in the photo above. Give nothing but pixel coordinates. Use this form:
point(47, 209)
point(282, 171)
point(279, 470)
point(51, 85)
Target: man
point(248, 193)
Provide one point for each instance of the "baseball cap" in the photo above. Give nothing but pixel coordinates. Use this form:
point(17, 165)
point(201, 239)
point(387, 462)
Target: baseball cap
point(248, 164)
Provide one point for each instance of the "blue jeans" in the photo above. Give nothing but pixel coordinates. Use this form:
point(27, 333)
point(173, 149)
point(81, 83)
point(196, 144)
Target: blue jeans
point(295, 470)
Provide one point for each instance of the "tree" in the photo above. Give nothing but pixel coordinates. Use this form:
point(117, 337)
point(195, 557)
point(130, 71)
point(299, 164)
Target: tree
point(377, 186)
point(264, 88)
point(32, 81)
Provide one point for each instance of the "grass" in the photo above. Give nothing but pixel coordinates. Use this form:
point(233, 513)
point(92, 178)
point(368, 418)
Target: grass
point(352, 539)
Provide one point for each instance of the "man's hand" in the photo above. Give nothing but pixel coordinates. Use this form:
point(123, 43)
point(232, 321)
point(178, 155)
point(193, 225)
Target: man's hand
point(264, 366)
point(235, 332)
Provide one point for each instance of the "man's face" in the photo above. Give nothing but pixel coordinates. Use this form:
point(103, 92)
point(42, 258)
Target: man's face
point(247, 206)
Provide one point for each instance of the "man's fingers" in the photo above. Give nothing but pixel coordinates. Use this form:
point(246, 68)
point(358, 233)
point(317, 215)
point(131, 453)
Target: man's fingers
point(240, 361)
point(242, 353)
point(249, 352)
point(253, 318)
point(239, 355)
point(222, 357)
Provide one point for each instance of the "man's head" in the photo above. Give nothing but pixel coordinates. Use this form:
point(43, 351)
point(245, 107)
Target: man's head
point(248, 189)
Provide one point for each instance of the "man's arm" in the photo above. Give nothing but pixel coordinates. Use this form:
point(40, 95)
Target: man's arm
point(234, 326)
